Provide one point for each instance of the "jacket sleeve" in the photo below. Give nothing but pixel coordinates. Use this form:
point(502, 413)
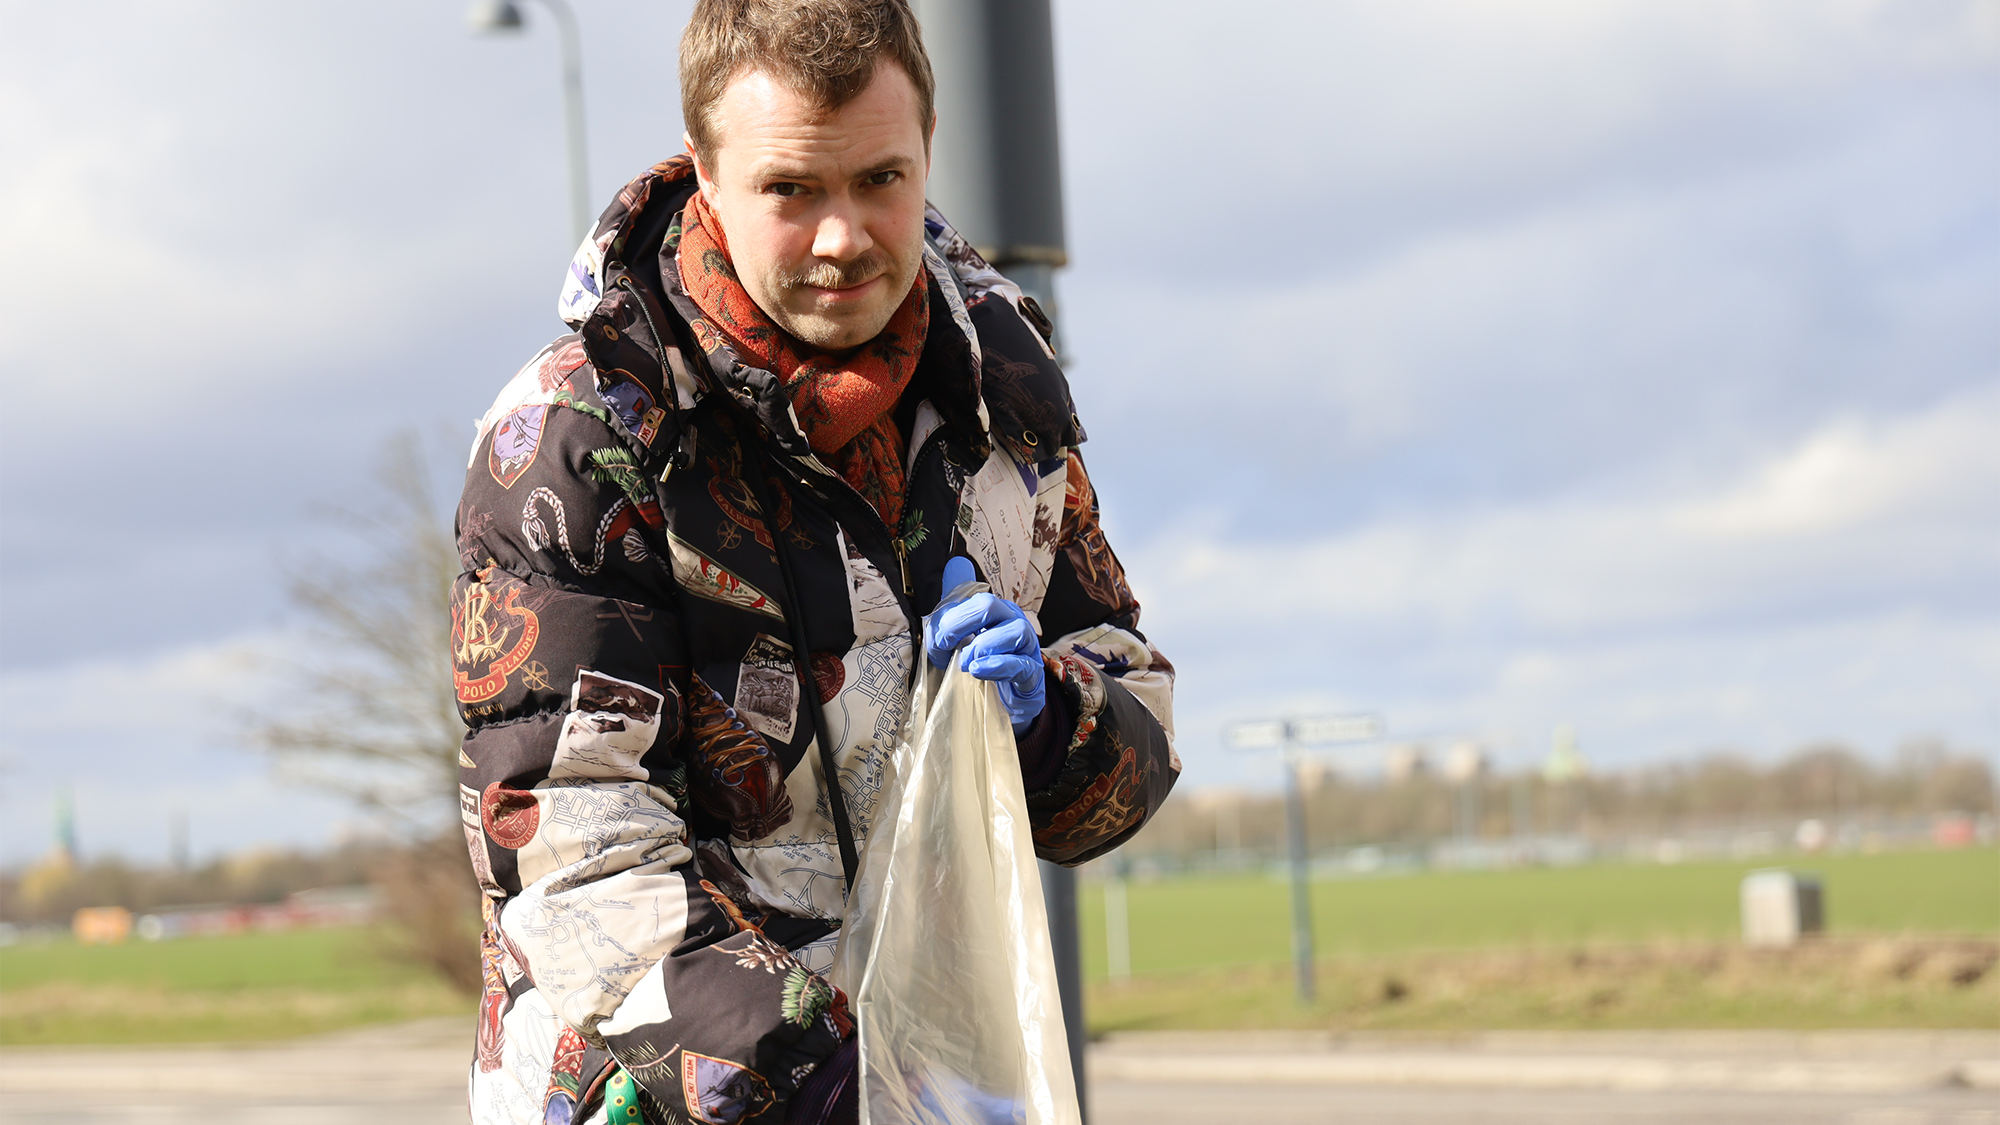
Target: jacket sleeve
point(1117, 688)
point(572, 678)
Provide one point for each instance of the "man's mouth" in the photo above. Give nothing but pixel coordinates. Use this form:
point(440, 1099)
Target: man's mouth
point(845, 291)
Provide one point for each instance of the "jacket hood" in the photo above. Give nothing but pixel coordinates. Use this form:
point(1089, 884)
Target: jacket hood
point(583, 285)
point(632, 226)
point(670, 181)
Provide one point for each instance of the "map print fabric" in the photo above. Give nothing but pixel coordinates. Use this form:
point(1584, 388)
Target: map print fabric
point(641, 784)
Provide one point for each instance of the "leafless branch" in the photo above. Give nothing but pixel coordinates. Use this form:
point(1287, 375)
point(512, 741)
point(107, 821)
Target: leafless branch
point(368, 709)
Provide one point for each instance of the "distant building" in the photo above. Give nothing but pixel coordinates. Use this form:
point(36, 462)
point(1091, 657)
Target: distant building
point(63, 851)
point(57, 867)
point(101, 925)
point(1565, 761)
point(1466, 761)
point(1406, 762)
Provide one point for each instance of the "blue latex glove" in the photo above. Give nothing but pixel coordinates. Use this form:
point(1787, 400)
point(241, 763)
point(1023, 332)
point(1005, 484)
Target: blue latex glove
point(999, 644)
point(952, 1099)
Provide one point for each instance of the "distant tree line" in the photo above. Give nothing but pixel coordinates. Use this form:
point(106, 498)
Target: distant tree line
point(42, 895)
point(1716, 792)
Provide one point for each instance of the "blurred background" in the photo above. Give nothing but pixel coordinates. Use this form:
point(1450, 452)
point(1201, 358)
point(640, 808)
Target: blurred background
point(1603, 396)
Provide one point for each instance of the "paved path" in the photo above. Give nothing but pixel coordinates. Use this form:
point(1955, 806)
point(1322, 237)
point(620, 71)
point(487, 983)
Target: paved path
point(411, 1074)
point(1127, 1103)
point(1853, 1062)
point(1548, 1078)
point(415, 1074)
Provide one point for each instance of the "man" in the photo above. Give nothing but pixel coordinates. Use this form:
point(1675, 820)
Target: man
point(699, 534)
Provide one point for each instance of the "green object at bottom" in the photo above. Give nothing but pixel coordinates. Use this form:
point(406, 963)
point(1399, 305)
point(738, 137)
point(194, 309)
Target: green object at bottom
point(621, 1100)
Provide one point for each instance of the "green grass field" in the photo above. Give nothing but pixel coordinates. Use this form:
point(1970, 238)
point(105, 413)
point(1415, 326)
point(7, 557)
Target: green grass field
point(1210, 921)
point(246, 987)
point(1595, 946)
point(1911, 943)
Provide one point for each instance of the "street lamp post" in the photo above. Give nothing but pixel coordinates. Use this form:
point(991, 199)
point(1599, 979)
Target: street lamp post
point(491, 16)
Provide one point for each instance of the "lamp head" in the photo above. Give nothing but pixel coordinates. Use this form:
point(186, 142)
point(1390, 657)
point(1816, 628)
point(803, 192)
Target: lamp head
point(488, 16)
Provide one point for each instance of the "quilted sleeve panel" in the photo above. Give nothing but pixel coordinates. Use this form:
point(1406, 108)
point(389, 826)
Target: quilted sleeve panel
point(1121, 763)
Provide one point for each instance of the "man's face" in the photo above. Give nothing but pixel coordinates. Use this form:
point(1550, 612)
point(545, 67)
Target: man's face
point(824, 210)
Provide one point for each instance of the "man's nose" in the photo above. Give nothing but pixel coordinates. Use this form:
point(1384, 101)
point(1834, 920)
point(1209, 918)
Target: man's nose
point(841, 237)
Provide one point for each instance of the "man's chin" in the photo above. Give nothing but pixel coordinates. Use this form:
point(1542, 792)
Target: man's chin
point(836, 333)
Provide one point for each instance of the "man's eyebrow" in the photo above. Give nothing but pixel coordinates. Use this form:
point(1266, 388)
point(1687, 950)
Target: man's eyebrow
point(888, 164)
point(766, 173)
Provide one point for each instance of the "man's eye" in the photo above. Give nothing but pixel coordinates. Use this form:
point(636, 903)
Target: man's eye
point(785, 191)
point(883, 179)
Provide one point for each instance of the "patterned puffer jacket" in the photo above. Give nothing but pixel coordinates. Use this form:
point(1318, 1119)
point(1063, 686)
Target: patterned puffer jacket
point(675, 625)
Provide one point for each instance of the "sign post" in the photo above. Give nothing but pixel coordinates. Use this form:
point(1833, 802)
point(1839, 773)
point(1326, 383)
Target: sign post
point(1295, 847)
point(1291, 737)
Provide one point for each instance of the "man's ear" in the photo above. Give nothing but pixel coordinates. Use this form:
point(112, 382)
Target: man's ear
point(701, 176)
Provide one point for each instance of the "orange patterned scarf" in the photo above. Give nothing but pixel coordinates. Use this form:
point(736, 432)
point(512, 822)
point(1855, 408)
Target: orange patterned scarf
point(844, 404)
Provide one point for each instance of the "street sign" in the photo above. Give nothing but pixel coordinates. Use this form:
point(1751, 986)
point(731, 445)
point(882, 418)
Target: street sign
point(1316, 730)
point(1266, 735)
point(1337, 728)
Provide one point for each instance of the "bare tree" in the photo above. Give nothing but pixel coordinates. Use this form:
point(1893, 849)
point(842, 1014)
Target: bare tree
point(373, 715)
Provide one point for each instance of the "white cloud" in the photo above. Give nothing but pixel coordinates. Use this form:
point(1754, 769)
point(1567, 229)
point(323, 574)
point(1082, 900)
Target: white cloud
point(137, 740)
point(1843, 588)
point(1626, 363)
point(169, 263)
point(1883, 512)
point(1352, 118)
point(1762, 288)
point(1939, 465)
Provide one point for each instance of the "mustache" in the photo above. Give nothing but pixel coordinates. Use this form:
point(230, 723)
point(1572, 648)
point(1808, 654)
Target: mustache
point(839, 275)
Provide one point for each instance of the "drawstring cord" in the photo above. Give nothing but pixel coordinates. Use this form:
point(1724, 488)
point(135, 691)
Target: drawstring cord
point(843, 830)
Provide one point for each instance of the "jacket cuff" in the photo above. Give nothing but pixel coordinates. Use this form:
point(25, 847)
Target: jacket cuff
point(1045, 743)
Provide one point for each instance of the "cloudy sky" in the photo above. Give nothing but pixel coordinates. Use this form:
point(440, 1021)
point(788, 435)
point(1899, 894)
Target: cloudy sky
point(1490, 366)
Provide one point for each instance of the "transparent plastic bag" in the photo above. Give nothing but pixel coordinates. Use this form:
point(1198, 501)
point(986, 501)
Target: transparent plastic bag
point(944, 953)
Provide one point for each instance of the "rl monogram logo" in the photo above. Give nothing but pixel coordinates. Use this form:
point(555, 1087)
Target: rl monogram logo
point(490, 638)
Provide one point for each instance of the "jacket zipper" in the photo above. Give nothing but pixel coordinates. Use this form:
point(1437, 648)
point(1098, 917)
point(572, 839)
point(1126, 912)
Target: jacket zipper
point(912, 618)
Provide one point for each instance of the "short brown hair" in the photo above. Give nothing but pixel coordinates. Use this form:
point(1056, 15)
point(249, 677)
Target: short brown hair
point(824, 50)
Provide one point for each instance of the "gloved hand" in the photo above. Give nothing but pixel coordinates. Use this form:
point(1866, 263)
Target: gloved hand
point(950, 1098)
point(1000, 644)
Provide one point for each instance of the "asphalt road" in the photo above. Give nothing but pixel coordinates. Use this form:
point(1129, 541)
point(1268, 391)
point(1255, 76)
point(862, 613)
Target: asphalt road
point(415, 1074)
point(1120, 1103)
point(1125, 1103)
point(326, 1108)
